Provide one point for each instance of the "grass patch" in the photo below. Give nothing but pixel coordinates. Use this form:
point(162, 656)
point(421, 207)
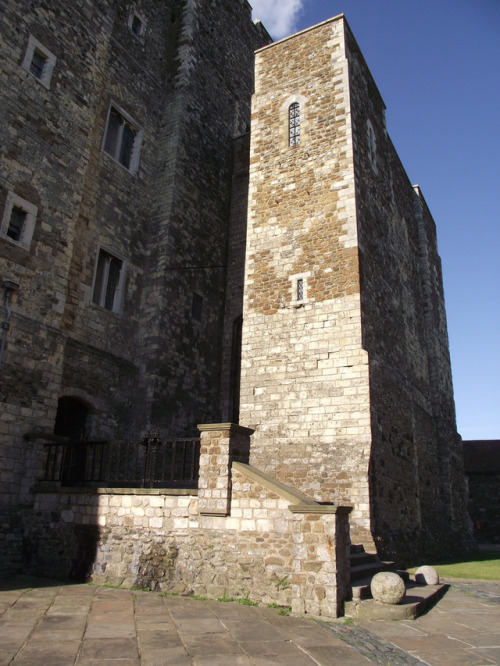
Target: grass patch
point(282, 610)
point(245, 601)
point(286, 610)
point(481, 565)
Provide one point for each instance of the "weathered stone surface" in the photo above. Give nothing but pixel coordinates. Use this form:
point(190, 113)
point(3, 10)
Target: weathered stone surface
point(260, 547)
point(187, 86)
point(388, 587)
point(426, 576)
point(348, 387)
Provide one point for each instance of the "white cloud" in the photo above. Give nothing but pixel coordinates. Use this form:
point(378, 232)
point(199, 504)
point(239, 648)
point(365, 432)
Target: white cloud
point(278, 16)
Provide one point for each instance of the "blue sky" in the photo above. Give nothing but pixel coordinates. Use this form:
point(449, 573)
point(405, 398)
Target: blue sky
point(436, 64)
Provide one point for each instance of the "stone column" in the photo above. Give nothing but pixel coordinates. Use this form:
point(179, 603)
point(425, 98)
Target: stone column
point(221, 443)
point(320, 578)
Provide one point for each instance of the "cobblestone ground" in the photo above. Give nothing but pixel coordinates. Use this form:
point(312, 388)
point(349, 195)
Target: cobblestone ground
point(374, 648)
point(479, 589)
point(463, 628)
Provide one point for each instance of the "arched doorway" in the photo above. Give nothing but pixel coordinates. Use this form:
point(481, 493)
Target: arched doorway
point(70, 422)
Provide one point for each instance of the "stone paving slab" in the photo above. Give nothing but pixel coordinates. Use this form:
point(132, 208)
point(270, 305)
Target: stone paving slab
point(48, 622)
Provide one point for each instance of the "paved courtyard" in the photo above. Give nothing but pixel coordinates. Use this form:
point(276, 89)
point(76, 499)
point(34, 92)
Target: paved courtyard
point(48, 622)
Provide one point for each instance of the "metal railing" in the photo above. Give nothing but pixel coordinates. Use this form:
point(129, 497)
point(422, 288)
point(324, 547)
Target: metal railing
point(148, 463)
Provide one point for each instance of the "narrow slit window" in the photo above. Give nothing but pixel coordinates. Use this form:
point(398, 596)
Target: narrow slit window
point(37, 64)
point(294, 124)
point(197, 307)
point(136, 26)
point(300, 289)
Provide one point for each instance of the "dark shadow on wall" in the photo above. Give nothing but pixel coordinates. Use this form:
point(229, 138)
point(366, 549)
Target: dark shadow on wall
point(53, 547)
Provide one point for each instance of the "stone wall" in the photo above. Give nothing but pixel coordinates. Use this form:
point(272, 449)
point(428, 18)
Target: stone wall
point(415, 462)
point(482, 469)
point(185, 83)
point(60, 342)
point(484, 507)
point(271, 544)
point(207, 105)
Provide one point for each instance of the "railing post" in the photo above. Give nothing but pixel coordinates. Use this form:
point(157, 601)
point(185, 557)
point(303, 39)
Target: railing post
point(221, 443)
point(151, 444)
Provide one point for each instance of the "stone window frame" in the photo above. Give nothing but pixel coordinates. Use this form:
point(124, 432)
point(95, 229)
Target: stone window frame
point(372, 145)
point(302, 101)
point(114, 152)
point(299, 283)
point(100, 282)
point(35, 47)
point(134, 18)
point(28, 226)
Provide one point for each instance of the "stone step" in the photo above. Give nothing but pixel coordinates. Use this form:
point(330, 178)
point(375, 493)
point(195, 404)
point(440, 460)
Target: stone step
point(370, 569)
point(417, 600)
point(363, 558)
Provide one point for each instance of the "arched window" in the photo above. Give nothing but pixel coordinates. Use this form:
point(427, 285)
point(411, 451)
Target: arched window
point(294, 124)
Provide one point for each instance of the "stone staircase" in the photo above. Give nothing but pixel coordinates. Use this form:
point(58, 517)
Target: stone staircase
point(363, 567)
point(360, 603)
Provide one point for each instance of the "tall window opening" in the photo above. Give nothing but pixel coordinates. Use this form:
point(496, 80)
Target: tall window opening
point(16, 223)
point(294, 124)
point(122, 140)
point(108, 282)
point(37, 64)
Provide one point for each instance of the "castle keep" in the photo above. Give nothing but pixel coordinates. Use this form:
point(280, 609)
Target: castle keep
point(194, 234)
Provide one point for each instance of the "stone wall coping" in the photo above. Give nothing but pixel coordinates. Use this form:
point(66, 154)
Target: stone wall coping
point(320, 508)
point(47, 437)
point(45, 488)
point(284, 491)
point(230, 427)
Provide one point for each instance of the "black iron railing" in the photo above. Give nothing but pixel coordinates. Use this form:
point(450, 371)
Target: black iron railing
point(148, 463)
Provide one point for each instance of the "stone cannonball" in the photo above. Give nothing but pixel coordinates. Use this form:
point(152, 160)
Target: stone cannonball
point(388, 587)
point(426, 576)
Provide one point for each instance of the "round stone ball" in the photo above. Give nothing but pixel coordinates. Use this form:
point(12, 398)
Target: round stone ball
point(388, 587)
point(426, 576)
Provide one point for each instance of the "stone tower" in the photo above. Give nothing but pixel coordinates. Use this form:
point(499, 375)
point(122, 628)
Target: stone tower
point(345, 368)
